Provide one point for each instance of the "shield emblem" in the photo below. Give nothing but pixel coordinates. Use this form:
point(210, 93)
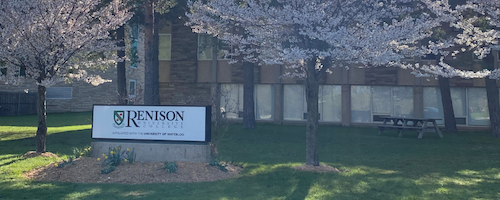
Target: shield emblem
point(119, 116)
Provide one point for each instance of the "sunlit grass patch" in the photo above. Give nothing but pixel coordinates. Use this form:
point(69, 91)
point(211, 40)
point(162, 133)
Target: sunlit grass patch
point(83, 194)
point(21, 165)
point(364, 170)
point(268, 168)
point(16, 132)
point(317, 191)
point(20, 132)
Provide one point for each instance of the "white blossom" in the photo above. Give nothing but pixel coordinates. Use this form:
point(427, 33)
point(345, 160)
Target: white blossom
point(58, 40)
point(472, 36)
point(293, 32)
point(355, 32)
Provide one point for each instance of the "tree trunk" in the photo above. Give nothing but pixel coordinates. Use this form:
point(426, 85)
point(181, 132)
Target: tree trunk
point(248, 98)
point(151, 83)
point(450, 124)
point(312, 91)
point(41, 132)
point(121, 79)
point(493, 106)
point(492, 95)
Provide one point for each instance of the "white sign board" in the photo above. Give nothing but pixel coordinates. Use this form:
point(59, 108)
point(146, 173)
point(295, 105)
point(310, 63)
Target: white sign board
point(171, 123)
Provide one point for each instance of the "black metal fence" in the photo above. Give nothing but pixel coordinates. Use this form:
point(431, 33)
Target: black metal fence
point(17, 103)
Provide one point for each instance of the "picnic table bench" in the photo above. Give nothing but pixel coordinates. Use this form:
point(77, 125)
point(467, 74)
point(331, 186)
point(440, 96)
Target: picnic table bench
point(403, 123)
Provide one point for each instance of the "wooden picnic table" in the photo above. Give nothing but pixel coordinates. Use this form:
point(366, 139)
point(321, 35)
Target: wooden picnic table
point(403, 123)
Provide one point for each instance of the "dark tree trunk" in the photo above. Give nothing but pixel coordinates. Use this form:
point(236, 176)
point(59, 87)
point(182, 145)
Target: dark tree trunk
point(41, 132)
point(312, 91)
point(248, 99)
point(450, 124)
point(493, 106)
point(492, 96)
point(151, 83)
point(121, 79)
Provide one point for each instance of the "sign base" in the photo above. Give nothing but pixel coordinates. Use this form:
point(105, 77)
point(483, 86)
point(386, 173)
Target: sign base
point(152, 151)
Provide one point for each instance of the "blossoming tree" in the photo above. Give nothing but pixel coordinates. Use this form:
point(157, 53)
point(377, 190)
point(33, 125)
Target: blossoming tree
point(53, 41)
point(477, 26)
point(313, 36)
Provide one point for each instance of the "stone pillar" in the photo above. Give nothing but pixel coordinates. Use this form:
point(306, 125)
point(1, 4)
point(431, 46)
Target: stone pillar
point(418, 101)
point(346, 99)
point(278, 103)
point(346, 105)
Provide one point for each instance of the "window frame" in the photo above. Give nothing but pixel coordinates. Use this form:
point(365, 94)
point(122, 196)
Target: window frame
point(219, 52)
point(130, 81)
point(170, 36)
point(70, 93)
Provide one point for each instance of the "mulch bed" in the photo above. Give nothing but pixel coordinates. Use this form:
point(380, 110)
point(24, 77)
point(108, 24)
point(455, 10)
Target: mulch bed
point(88, 170)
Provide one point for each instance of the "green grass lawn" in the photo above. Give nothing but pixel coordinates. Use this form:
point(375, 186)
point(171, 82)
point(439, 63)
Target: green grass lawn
point(459, 166)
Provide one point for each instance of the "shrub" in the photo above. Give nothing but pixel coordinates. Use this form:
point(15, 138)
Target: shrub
point(65, 162)
point(216, 163)
point(171, 167)
point(85, 152)
point(114, 157)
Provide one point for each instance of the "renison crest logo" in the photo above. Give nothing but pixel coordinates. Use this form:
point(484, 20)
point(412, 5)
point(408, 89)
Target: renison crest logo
point(119, 117)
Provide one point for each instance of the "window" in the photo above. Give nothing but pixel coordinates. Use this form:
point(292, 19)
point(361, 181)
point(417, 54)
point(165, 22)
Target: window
point(329, 103)
point(371, 103)
point(231, 100)
point(132, 85)
point(264, 102)
point(20, 72)
point(402, 101)
point(59, 92)
point(360, 104)
point(458, 99)
point(223, 52)
point(330, 100)
point(205, 48)
point(164, 47)
point(134, 42)
point(478, 107)
point(470, 105)
point(294, 102)
point(433, 108)
point(381, 100)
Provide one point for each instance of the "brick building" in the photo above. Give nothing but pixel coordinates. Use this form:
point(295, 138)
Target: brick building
point(356, 96)
point(188, 68)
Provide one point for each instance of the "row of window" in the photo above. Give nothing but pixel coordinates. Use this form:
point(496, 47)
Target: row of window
point(368, 103)
point(205, 45)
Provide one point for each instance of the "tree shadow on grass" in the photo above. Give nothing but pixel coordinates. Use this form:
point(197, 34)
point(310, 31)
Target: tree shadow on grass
point(56, 143)
point(10, 162)
point(53, 119)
